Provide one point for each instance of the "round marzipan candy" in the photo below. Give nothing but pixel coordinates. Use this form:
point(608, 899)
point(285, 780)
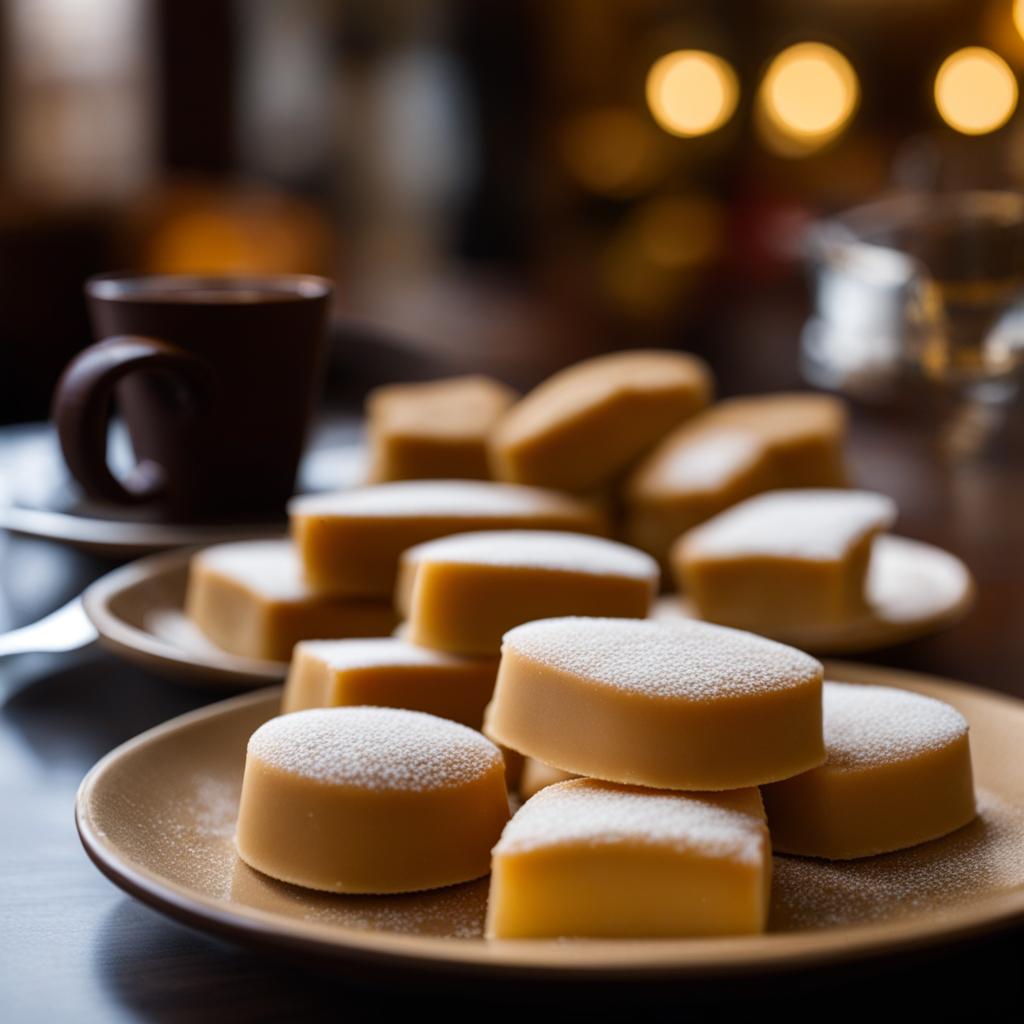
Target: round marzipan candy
point(897, 773)
point(673, 706)
point(370, 800)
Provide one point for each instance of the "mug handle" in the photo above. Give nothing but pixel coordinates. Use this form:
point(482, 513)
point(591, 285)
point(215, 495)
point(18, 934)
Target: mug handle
point(82, 404)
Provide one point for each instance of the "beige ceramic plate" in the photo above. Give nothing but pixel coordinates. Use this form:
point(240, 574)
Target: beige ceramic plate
point(157, 816)
point(913, 589)
point(138, 611)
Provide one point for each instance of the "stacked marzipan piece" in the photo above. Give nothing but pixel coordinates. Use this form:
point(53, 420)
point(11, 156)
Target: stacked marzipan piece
point(675, 728)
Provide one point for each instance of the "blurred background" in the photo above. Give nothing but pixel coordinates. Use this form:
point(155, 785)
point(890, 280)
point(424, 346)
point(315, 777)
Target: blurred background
point(501, 186)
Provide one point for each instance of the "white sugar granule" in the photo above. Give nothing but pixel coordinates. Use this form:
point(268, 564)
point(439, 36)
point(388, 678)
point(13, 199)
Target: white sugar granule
point(980, 860)
point(706, 461)
point(873, 725)
point(538, 549)
point(267, 567)
point(374, 748)
point(438, 498)
point(680, 660)
point(803, 523)
point(583, 811)
point(379, 652)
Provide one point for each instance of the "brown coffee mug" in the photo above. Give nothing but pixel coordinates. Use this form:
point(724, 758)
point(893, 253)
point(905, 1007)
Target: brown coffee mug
point(215, 379)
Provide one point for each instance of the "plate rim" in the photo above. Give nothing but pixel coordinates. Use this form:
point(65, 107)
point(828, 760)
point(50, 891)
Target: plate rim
point(540, 959)
point(143, 648)
point(94, 533)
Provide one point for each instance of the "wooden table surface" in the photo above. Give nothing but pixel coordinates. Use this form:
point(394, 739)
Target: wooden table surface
point(74, 948)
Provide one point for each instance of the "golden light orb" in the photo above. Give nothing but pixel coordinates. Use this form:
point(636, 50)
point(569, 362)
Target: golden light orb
point(692, 92)
point(975, 91)
point(808, 94)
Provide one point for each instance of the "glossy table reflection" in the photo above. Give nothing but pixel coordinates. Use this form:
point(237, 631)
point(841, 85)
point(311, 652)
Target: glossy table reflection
point(73, 947)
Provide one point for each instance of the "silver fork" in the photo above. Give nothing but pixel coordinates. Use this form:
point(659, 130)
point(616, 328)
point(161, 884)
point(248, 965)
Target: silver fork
point(63, 630)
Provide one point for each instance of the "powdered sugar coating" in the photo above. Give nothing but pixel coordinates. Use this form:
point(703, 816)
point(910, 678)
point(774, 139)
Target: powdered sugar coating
point(806, 523)
point(267, 567)
point(375, 749)
point(591, 813)
point(707, 460)
point(692, 661)
point(867, 726)
point(379, 652)
point(552, 550)
point(444, 498)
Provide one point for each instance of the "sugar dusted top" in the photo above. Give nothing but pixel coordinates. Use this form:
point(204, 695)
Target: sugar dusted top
point(268, 567)
point(442, 498)
point(538, 549)
point(379, 652)
point(704, 460)
point(590, 813)
point(374, 748)
point(806, 523)
point(867, 726)
point(691, 661)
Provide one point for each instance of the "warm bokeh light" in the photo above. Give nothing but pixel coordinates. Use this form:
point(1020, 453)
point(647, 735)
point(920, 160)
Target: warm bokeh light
point(807, 96)
point(660, 251)
point(197, 228)
point(613, 151)
point(692, 92)
point(975, 91)
point(1018, 16)
point(678, 232)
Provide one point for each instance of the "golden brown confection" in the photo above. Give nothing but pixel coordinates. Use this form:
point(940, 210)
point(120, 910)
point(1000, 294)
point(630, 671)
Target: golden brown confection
point(784, 560)
point(434, 430)
point(385, 672)
point(250, 599)
point(350, 542)
point(597, 860)
point(583, 426)
point(685, 705)
point(370, 800)
point(735, 449)
point(462, 593)
point(897, 773)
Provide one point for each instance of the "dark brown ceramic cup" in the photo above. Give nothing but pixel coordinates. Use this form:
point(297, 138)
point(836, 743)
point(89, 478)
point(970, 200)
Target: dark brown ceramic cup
point(215, 379)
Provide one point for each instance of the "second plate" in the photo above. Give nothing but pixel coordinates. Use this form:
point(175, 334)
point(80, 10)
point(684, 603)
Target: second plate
point(138, 611)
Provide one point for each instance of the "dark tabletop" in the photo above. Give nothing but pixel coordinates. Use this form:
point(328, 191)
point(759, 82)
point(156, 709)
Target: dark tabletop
point(74, 948)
